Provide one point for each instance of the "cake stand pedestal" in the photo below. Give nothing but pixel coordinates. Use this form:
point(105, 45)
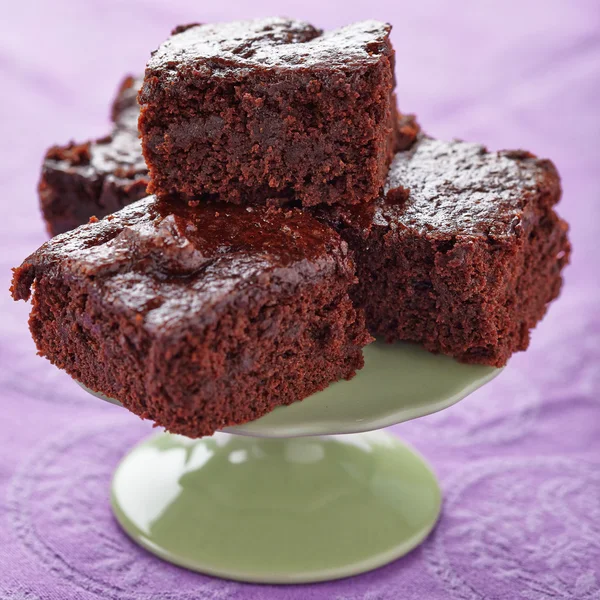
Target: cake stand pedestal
point(285, 498)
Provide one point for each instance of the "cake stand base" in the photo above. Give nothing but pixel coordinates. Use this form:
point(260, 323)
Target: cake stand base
point(293, 510)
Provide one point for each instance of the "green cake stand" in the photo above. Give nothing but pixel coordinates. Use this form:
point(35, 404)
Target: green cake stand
point(285, 498)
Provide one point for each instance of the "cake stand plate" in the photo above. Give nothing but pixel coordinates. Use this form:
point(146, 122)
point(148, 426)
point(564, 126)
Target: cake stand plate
point(286, 501)
point(276, 511)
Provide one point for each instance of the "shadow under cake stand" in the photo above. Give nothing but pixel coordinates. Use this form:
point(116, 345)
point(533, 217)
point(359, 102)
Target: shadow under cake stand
point(285, 498)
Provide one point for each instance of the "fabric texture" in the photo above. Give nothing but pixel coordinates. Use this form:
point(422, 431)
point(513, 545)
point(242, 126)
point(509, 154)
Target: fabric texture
point(519, 460)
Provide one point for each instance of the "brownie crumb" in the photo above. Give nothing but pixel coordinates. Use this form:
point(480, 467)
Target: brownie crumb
point(195, 321)
point(463, 253)
point(98, 177)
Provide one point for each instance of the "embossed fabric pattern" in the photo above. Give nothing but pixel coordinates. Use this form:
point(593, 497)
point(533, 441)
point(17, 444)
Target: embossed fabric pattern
point(519, 460)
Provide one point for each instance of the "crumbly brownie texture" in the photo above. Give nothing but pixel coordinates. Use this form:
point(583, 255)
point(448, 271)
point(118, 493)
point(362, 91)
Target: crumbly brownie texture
point(125, 110)
point(197, 317)
point(464, 252)
point(408, 130)
point(269, 110)
point(95, 178)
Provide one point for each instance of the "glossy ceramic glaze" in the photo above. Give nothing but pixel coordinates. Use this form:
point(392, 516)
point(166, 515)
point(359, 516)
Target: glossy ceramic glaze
point(278, 505)
point(276, 511)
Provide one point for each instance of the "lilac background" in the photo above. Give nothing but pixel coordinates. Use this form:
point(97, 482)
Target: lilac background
point(519, 460)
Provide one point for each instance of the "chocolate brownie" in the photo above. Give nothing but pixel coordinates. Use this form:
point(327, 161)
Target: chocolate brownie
point(463, 253)
point(197, 317)
point(125, 110)
point(99, 177)
point(268, 110)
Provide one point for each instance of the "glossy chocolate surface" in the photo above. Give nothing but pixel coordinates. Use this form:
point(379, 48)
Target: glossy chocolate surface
point(169, 261)
point(446, 189)
point(272, 42)
point(460, 188)
point(215, 229)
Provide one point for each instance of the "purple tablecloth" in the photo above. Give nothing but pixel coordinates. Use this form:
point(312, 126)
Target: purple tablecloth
point(519, 460)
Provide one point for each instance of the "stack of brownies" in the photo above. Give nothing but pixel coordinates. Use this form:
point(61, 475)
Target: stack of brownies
point(296, 215)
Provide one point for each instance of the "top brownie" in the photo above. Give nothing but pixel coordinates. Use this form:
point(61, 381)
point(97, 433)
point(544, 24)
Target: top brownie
point(271, 110)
